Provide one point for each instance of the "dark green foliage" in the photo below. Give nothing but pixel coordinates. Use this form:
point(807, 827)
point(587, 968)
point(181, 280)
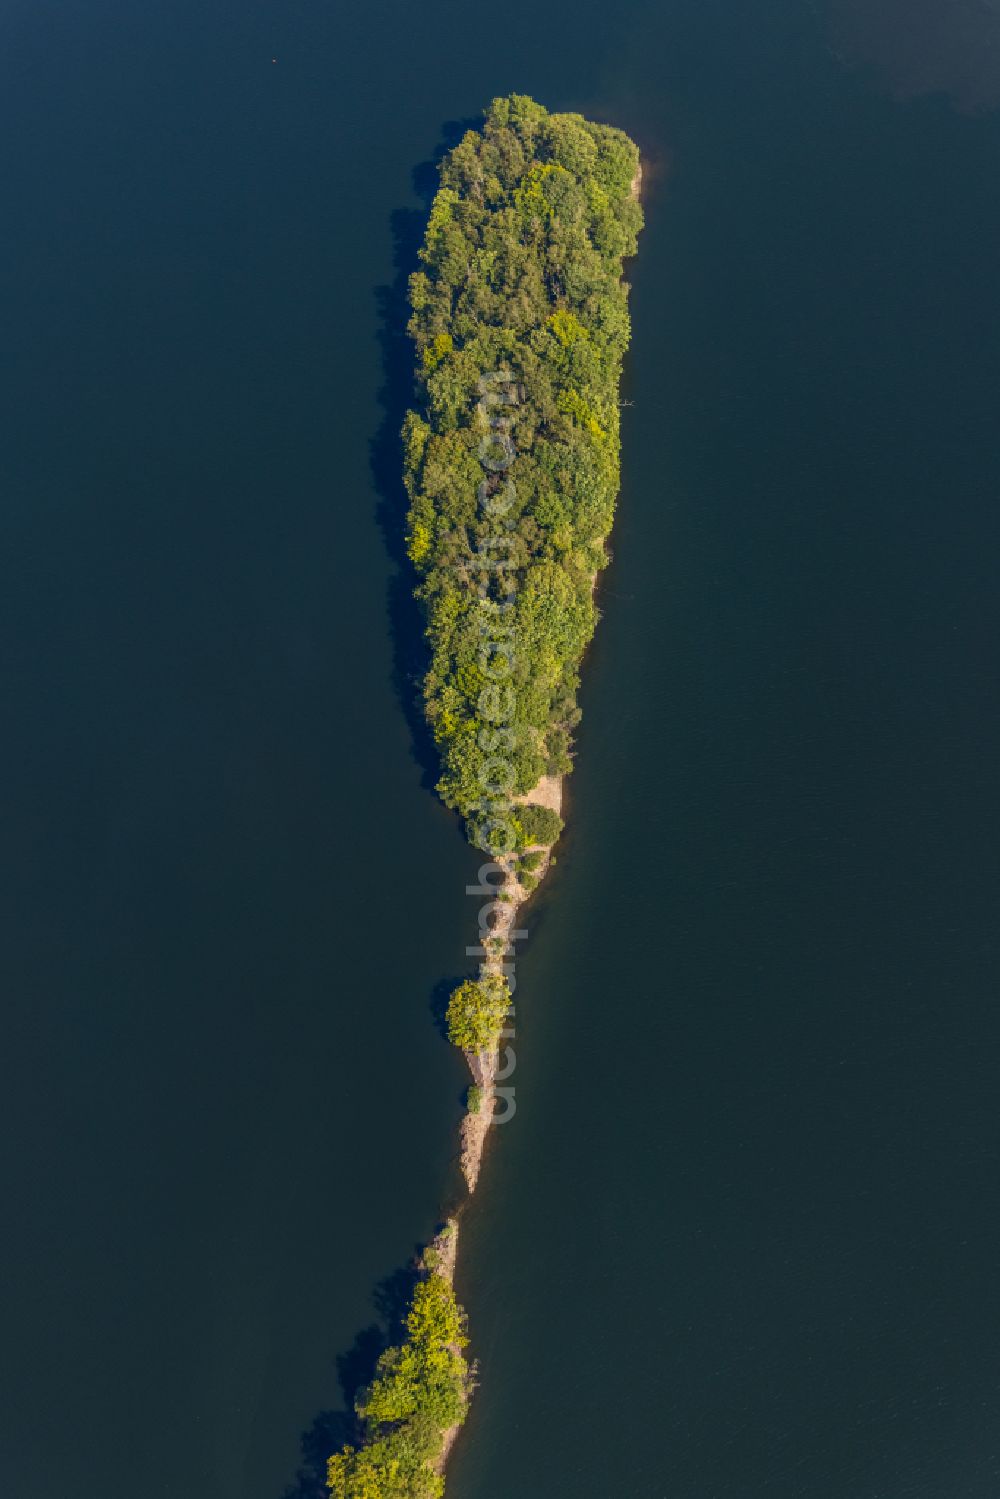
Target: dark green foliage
point(520, 322)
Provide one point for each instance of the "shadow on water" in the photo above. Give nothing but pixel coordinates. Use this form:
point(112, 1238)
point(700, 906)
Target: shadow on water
point(409, 652)
point(438, 1006)
point(331, 1429)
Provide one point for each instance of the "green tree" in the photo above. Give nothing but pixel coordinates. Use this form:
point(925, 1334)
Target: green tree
point(538, 824)
point(476, 1013)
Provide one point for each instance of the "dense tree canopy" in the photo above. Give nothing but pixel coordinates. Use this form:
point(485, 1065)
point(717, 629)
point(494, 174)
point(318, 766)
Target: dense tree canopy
point(476, 1012)
point(520, 321)
point(420, 1389)
point(537, 824)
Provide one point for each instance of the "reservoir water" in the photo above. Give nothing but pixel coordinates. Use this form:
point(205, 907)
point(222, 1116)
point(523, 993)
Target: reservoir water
point(740, 1240)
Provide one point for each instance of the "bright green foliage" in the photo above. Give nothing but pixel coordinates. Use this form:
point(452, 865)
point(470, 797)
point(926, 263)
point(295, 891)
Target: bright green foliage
point(476, 1013)
point(420, 1389)
point(538, 824)
point(520, 322)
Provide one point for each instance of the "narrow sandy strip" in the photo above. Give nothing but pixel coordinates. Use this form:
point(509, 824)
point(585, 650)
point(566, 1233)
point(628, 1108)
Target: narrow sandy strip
point(485, 1065)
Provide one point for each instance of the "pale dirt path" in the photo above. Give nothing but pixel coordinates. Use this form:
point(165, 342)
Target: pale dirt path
point(485, 1065)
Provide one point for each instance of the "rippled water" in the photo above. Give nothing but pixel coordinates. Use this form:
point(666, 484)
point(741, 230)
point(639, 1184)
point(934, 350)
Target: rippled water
point(949, 47)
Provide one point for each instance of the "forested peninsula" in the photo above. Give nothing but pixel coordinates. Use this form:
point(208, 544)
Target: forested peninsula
point(520, 321)
point(519, 317)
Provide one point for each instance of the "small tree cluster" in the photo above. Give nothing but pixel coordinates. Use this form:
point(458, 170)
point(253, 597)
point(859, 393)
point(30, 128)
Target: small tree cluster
point(538, 824)
point(476, 1013)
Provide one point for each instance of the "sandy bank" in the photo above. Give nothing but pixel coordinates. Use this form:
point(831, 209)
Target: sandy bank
point(485, 1065)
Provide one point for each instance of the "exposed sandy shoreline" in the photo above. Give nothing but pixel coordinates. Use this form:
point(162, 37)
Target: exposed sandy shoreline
point(485, 1065)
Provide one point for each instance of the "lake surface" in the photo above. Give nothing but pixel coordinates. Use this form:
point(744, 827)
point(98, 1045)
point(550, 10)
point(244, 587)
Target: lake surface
point(740, 1241)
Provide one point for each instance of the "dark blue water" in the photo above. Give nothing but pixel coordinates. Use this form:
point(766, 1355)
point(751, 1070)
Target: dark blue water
point(741, 1238)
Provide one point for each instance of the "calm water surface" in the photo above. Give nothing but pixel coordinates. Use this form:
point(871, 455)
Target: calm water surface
point(740, 1242)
